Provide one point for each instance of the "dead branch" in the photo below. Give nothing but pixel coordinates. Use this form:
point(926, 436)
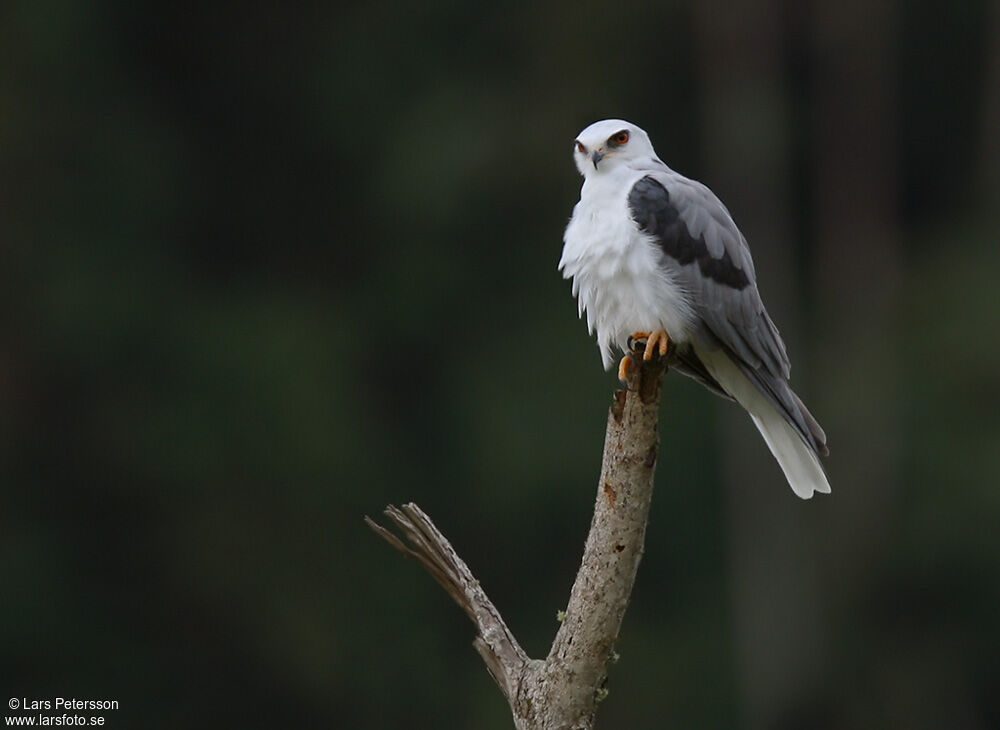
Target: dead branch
point(561, 692)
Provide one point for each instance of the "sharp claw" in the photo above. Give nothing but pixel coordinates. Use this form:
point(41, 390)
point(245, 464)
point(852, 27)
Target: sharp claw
point(658, 342)
point(623, 368)
point(635, 337)
point(654, 343)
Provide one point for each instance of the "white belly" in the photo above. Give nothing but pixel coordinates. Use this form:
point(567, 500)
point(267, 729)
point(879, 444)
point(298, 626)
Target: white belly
point(618, 278)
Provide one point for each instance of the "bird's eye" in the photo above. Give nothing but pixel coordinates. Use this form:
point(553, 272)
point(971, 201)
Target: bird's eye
point(580, 147)
point(620, 138)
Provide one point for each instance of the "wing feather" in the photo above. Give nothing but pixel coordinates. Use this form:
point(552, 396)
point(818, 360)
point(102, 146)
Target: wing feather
point(709, 256)
point(702, 244)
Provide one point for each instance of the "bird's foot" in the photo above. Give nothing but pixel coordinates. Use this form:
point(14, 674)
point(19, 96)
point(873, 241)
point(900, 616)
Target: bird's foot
point(626, 364)
point(642, 347)
point(656, 342)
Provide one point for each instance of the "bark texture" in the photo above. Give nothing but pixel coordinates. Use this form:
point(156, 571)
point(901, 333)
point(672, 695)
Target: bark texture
point(562, 691)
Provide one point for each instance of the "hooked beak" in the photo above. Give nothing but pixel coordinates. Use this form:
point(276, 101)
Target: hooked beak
point(597, 157)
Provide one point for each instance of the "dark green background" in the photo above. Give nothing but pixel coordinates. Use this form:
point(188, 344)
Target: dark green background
point(267, 267)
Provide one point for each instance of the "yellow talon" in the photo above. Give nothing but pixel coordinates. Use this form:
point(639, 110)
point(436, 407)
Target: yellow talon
point(640, 335)
point(623, 367)
point(657, 340)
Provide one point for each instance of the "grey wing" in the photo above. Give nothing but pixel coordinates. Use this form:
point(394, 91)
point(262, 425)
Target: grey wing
point(712, 261)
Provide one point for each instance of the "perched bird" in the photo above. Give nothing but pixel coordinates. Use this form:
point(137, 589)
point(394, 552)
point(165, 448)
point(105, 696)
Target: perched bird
point(656, 256)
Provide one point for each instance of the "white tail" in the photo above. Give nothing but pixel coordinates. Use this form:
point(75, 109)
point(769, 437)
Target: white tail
point(796, 459)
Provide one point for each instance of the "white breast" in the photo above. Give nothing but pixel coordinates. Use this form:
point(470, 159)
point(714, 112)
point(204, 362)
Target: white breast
point(618, 276)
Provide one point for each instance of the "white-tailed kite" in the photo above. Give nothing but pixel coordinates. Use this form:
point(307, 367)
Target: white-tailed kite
point(656, 256)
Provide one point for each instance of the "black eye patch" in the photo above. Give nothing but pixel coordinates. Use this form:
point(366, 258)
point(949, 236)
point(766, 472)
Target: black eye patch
point(618, 138)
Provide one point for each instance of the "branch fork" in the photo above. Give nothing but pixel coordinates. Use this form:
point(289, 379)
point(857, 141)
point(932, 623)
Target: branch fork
point(562, 691)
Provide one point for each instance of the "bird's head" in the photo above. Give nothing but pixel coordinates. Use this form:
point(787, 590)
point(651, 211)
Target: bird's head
point(609, 144)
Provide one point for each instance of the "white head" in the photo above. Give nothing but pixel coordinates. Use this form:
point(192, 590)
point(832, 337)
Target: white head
point(609, 144)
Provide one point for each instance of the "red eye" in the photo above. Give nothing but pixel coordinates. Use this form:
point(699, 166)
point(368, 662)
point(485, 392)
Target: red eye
point(580, 147)
point(621, 137)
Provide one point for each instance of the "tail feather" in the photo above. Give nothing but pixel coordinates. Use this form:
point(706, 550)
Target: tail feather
point(799, 463)
point(817, 432)
point(791, 433)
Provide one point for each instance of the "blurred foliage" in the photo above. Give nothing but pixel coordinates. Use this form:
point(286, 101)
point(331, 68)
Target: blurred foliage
point(266, 270)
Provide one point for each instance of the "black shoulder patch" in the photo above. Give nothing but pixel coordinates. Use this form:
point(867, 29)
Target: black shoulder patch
point(654, 213)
